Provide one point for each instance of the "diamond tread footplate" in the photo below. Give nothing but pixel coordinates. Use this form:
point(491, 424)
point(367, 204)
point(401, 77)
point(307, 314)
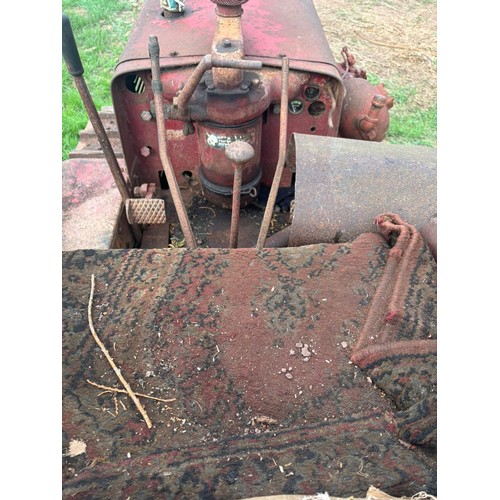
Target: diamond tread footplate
point(145, 211)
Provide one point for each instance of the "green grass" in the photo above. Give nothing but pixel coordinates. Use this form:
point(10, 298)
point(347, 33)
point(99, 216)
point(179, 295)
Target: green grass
point(101, 29)
point(409, 124)
point(413, 127)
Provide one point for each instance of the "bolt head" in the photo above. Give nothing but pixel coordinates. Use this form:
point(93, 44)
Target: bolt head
point(145, 151)
point(146, 116)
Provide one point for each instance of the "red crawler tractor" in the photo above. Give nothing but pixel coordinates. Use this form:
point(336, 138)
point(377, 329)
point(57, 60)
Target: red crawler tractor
point(249, 270)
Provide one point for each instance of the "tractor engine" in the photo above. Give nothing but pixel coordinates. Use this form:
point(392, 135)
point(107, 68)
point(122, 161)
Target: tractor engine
point(220, 79)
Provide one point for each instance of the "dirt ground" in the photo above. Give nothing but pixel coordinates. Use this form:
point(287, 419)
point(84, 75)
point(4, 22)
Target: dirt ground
point(394, 40)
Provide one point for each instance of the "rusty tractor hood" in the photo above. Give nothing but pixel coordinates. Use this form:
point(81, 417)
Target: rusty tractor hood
point(269, 29)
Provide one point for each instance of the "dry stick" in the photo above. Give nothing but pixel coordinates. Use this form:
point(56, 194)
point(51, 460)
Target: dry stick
point(115, 389)
point(402, 47)
point(112, 363)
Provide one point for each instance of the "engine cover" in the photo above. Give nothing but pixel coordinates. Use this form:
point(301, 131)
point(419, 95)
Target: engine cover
point(270, 31)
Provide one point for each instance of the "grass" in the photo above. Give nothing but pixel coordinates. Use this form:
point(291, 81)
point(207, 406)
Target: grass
point(414, 127)
point(101, 29)
point(409, 125)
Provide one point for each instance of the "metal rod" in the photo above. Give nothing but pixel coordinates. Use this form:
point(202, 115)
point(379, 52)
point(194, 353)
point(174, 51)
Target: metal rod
point(154, 52)
point(102, 137)
point(208, 62)
point(235, 214)
point(75, 68)
point(239, 153)
point(266, 221)
point(194, 79)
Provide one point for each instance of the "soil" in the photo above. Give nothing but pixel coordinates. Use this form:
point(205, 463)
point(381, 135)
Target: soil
point(395, 41)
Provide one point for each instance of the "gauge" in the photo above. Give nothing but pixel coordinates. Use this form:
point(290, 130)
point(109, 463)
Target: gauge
point(295, 106)
point(311, 92)
point(317, 108)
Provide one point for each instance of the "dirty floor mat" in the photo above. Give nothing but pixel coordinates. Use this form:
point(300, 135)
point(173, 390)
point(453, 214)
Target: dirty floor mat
point(271, 380)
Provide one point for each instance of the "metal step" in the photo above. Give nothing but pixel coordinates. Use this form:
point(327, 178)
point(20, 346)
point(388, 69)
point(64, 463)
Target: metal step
point(88, 145)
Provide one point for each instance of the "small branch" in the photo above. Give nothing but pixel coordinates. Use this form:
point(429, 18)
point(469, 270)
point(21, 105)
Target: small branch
point(402, 47)
point(212, 210)
point(115, 389)
point(112, 363)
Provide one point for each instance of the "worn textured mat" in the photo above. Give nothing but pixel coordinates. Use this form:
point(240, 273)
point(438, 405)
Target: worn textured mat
point(291, 371)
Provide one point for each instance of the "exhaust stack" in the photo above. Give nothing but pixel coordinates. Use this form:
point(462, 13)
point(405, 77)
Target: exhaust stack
point(228, 43)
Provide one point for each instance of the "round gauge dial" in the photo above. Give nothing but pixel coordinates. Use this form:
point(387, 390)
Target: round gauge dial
point(311, 92)
point(295, 106)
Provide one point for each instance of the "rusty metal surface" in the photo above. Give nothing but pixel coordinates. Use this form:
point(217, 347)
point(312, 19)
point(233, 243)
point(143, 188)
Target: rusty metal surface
point(184, 149)
point(88, 146)
point(365, 111)
point(229, 2)
point(279, 239)
point(213, 140)
point(342, 185)
point(162, 145)
point(269, 29)
point(91, 205)
point(239, 153)
point(268, 213)
point(206, 63)
point(120, 179)
point(228, 45)
point(103, 139)
point(235, 209)
point(429, 234)
point(157, 236)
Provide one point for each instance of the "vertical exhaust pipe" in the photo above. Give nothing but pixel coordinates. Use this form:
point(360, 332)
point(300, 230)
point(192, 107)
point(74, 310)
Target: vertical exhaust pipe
point(227, 43)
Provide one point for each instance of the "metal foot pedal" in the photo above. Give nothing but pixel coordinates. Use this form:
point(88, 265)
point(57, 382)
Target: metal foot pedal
point(145, 211)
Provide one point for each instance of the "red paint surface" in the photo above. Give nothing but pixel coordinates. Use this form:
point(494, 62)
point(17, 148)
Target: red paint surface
point(269, 29)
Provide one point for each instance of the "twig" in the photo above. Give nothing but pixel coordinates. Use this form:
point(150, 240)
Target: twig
point(402, 47)
point(103, 392)
point(112, 363)
point(360, 471)
point(115, 389)
point(211, 209)
point(215, 355)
